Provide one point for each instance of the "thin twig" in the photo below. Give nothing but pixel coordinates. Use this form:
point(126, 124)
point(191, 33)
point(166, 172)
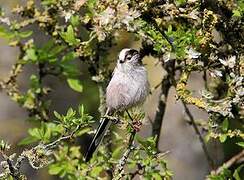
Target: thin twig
point(230, 162)
point(54, 143)
point(204, 147)
point(147, 16)
point(120, 166)
point(15, 167)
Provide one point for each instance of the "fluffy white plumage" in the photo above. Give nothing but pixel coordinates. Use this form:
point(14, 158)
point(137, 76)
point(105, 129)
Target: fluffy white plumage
point(129, 85)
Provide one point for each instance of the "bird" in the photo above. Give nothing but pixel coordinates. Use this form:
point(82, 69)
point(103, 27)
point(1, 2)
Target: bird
point(128, 87)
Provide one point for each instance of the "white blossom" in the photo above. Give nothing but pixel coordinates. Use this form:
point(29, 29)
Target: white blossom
point(117, 17)
point(229, 62)
point(192, 53)
point(67, 15)
point(107, 16)
point(126, 16)
point(5, 20)
point(216, 73)
point(168, 56)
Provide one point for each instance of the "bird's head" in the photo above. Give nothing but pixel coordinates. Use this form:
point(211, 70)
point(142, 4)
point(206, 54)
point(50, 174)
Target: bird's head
point(129, 58)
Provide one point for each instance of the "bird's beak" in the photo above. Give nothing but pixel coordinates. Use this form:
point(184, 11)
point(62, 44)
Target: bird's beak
point(121, 61)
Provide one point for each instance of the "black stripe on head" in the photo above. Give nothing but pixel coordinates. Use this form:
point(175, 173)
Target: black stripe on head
point(129, 54)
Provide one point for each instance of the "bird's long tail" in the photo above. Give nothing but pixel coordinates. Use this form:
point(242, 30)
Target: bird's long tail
point(98, 137)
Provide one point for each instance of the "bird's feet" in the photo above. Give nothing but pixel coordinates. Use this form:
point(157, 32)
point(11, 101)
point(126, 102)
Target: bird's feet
point(136, 125)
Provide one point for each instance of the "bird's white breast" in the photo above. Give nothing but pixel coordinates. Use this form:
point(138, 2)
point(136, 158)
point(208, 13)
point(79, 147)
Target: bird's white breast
point(127, 89)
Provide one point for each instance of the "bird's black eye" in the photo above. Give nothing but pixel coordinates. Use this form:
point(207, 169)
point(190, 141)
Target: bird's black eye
point(128, 57)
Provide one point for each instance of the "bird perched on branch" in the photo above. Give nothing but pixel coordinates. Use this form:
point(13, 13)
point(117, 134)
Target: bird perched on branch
point(128, 87)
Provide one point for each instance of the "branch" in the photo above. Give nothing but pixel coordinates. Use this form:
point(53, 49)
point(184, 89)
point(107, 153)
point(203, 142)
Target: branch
point(204, 147)
point(53, 144)
point(148, 17)
point(183, 92)
point(41, 110)
point(230, 162)
point(160, 111)
point(120, 167)
point(37, 157)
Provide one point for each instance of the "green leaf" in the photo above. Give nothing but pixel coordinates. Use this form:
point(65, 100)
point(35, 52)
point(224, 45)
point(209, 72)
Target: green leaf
point(236, 173)
point(57, 49)
point(69, 56)
point(69, 36)
point(25, 34)
point(225, 125)
point(236, 13)
point(70, 113)
point(30, 54)
point(75, 20)
point(207, 137)
point(156, 176)
point(28, 140)
point(117, 152)
point(91, 4)
point(75, 84)
point(48, 2)
point(55, 169)
point(70, 70)
point(240, 144)
point(180, 2)
point(4, 33)
point(96, 171)
point(149, 144)
point(81, 110)
point(48, 45)
point(47, 134)
point(83, 131)
point(132, 164)
point(223, 138)
point(35, 133)
point(34, 83)
point(57, 115)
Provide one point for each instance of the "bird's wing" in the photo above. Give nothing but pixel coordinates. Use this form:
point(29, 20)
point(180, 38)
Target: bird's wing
point(117, 96)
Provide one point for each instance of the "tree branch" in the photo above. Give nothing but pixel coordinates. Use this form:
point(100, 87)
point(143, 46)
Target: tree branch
point(33, 156)
point(230, 162)
point(120, 166)
point(51, 145)
point(160, 111)
point(201, 139)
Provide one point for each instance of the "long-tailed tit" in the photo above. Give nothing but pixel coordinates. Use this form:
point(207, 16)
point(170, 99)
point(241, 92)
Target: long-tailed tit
point(128, 87)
